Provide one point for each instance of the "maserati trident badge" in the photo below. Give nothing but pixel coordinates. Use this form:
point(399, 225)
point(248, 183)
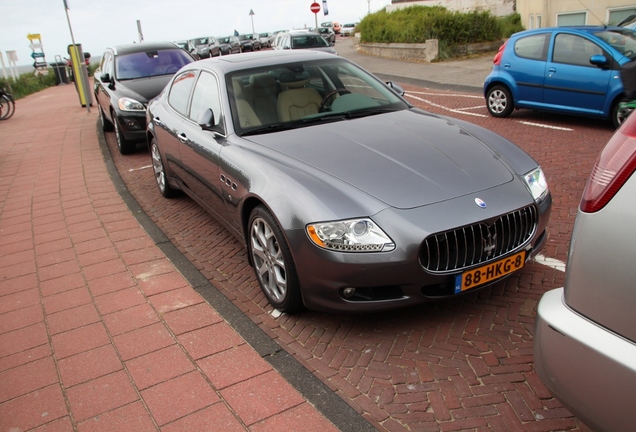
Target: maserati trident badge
point(480, 202)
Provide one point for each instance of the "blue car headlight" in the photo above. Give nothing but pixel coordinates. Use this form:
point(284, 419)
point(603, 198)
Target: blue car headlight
point(128, 104)
point(353, 235)
point(537, 183)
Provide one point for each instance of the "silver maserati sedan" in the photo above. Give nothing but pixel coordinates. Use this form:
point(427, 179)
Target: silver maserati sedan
point(346, 197)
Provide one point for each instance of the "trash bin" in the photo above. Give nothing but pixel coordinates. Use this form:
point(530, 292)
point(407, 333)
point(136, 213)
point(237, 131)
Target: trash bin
point(60, 73)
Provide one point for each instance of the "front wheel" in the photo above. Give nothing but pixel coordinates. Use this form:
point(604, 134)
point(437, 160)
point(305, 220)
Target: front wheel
point(107, 126)
point(273, 263)
point(499, 101)
point(123, 145)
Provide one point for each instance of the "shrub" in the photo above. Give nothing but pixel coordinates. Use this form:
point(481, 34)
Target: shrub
point(416, 24)
point(27, 84)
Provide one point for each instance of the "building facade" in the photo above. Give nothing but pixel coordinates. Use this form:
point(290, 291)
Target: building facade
point(549, 13)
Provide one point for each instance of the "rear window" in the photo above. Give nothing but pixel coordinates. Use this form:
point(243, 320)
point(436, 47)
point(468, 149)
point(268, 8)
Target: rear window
point(532, 47)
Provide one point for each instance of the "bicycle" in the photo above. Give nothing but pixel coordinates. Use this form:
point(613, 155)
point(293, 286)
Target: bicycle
point(7, 105)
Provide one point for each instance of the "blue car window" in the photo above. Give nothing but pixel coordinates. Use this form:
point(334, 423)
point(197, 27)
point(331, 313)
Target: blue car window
point(532, 47)
point(574, 50)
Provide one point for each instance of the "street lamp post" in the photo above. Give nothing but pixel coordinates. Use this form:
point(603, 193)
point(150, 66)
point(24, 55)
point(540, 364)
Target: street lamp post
point(252, 16)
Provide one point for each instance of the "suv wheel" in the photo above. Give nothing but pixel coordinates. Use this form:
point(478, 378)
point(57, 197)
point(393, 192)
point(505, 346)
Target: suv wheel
point(499, 101)
point(123, 145)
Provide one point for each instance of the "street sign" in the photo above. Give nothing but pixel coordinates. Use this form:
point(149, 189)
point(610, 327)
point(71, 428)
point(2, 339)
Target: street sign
point(32, 36)
point(37, 54)
point(315, 7)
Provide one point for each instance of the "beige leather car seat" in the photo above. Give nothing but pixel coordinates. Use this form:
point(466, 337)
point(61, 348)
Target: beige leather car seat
point(297, 101)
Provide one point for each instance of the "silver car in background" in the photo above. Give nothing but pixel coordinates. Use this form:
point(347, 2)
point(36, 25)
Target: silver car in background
point(585, 335)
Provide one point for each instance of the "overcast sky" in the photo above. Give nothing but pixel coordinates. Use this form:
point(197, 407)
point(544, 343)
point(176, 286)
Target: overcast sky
point(97, 24)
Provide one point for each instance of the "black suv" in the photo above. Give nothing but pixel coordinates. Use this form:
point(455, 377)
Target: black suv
point(127, 78)
point(229, 44)
point(249, 42)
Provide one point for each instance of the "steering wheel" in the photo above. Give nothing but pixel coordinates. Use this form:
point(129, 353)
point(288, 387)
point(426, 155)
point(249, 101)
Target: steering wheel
point(340, 91)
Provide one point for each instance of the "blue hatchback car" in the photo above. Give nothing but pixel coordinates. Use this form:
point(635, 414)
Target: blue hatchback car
point(569, 70)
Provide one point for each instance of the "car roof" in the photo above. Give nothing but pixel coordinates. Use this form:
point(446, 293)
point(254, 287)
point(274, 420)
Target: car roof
point(142, 46)
point(590, 29)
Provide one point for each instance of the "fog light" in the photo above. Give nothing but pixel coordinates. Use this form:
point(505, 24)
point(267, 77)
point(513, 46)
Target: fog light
point(348, 292)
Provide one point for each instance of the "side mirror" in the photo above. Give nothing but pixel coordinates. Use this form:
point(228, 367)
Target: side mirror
point(207, 122)
point(105, 77)
point(396, 88)
point(599, 60)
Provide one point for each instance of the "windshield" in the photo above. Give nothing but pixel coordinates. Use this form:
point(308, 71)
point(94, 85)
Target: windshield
point(623, 41)
point(150, 63)
point(223, 39)
point(297, 95)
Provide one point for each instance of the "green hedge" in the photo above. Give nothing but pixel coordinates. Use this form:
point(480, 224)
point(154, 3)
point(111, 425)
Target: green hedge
point(27, 84)
point(416, 24)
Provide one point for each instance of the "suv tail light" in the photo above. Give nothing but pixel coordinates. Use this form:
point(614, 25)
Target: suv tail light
point(497, 59)
point(615, 164)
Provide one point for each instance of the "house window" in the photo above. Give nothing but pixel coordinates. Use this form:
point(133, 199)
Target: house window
point(616, 16)
point(531, 22)
point(572, 19)
point(538, 21)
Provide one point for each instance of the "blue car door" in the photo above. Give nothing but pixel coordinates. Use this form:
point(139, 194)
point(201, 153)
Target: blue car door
point(572, 84)
point(526, 66)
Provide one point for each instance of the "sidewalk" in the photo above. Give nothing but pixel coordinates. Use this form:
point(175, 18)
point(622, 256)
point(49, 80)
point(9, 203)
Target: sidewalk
point(98, 330)
point(466, 75)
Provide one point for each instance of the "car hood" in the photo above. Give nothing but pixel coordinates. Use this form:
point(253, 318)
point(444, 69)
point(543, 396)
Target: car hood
point(405, 159)
point(142, 89)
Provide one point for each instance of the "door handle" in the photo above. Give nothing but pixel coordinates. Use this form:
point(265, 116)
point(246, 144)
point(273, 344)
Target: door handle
point(182, 137)
point(157, 121)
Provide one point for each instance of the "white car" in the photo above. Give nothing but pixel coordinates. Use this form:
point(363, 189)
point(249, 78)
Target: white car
point(348, 29)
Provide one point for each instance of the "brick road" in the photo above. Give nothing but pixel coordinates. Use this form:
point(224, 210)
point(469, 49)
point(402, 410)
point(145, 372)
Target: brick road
point(462, 364)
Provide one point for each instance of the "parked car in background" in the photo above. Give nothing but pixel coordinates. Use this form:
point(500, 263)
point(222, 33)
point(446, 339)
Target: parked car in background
point(229, 45)
point(249, 42)
point(328, 34)
point(276, 36)
point(298, 154)
point(303, 39)
point(585, 332)
point(186, 45)
point(126, 79)
point(569, 70)
point(348, 29)
point(266, 39)
point(205, 47)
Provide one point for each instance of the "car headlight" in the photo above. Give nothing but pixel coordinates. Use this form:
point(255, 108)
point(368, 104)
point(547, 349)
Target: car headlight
point(354, 235)
point(537, 184)
point(128, 104)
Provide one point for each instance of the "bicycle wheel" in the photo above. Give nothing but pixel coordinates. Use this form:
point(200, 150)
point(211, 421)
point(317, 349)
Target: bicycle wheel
point(7, 106)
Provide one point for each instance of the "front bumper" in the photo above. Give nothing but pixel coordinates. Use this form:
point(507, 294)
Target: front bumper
point(133, 125)
point(395, 279)
point(591, 370)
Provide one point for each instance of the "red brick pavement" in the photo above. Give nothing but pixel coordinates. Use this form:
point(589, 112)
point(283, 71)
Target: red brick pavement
point(98, 330)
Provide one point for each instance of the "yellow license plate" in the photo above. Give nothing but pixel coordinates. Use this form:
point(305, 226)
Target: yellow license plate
point(490, 272)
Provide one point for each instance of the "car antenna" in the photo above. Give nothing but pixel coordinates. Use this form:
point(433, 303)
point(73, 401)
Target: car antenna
point(588, 9)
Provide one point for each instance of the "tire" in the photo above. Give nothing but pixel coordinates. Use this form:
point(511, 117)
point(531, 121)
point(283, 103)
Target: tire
point(159, 171)
point(123, 145)
point(107, 126)
point(620, 113)
point(7, 106)
point(272, 261)
point(499, 101)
